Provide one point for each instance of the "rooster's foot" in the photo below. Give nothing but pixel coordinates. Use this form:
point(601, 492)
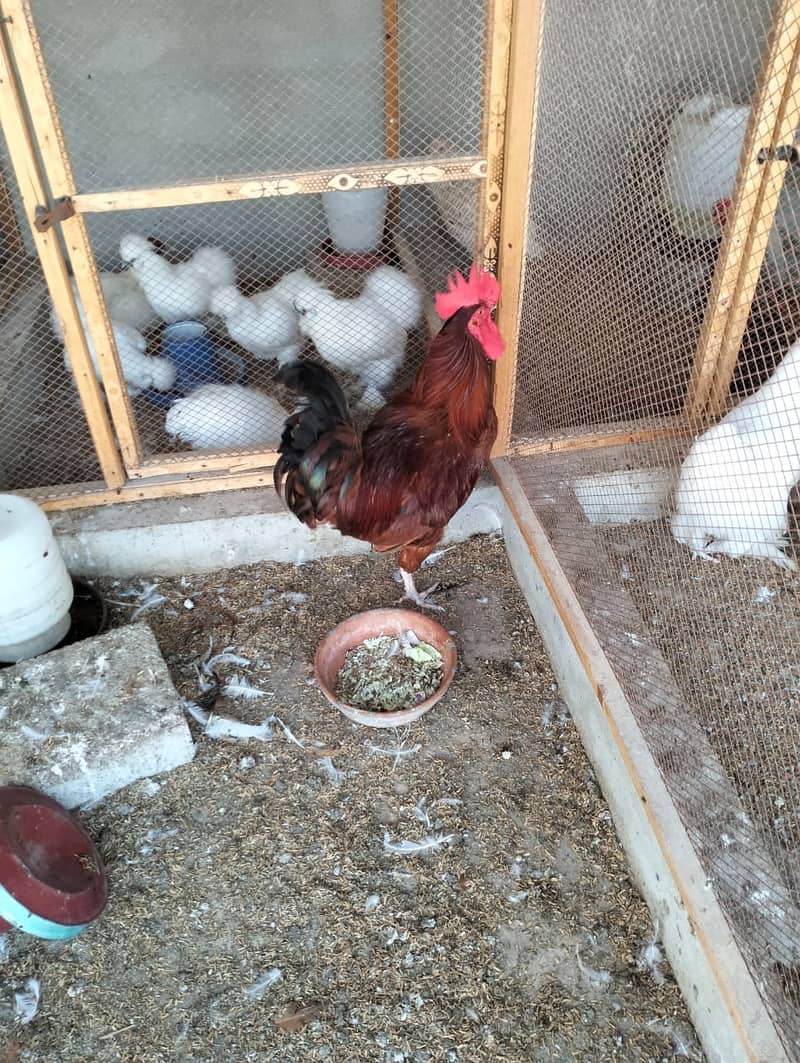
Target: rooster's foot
point(419, 598)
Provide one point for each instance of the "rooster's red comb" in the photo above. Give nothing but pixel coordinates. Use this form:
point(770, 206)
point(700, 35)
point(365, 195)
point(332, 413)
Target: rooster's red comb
point(480, 288)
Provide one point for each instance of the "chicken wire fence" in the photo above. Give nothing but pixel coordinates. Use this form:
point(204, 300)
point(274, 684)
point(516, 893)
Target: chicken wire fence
point(152, 97)
point(369, 327)
point(44, 437)
point(627, 234)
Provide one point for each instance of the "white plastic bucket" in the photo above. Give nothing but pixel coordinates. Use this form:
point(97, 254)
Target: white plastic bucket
point(355, 219)
point(35, 587)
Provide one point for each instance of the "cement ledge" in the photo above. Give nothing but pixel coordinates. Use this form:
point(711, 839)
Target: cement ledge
point(176, 536)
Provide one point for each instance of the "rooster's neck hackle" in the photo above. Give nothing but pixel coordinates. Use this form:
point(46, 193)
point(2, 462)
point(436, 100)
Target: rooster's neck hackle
point(455, 376)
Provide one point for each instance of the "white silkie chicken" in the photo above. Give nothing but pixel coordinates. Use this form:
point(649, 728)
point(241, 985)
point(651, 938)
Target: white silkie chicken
point(734, 486)
point(177, 291)
point(141, 371)
point(216, 416)
point(265, 324)
point(125, 302)
point(366, 335)
point(699, 170)
point(291, 284)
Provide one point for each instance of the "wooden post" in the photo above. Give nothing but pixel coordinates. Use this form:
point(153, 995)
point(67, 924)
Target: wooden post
point(391, 95)
point(497, 50)
point(47, 127)
point(520, 122)
point(32, 189)
point(755, 196)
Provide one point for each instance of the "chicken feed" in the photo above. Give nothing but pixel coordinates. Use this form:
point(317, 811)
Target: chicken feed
point(387, 674)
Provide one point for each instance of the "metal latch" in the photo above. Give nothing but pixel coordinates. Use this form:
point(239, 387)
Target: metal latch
point(783, 153)
point(46, 217)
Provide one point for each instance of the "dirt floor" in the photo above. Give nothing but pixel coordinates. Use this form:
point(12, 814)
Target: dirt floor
point(260, 880)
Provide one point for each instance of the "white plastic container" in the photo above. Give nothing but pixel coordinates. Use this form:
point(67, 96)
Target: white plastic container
point(35, 587)
point(355, 219)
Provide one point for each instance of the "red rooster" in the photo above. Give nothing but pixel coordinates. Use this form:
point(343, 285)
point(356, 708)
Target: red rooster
point(399, 484)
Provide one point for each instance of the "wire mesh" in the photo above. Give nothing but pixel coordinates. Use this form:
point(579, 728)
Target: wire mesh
point(268, 86)
point(618, 283)
point(708, 653)
point(215, 327)
point(44, 438)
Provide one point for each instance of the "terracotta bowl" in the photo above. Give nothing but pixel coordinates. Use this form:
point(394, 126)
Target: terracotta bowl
point(351, 633)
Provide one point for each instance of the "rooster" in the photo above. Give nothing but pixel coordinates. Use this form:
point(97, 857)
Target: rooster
point(398, 484)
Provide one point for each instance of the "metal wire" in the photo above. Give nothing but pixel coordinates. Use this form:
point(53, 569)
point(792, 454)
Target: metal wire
point(157, 94)
point(44, 438)
point(615, 293)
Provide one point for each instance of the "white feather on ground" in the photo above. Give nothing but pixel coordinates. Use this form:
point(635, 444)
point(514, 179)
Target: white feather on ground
point(226, 729)
point(216, 416)
point(412, 847)
point(265, 982)
point(26, 1002)
point(239, 686)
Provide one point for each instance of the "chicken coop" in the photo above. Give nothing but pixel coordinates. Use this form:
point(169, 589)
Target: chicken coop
point(191, 200)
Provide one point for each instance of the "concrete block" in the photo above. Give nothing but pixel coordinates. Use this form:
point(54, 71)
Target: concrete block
point(82, 722)
point(625, 495)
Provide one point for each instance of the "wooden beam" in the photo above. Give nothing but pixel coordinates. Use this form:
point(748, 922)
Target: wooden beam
point(763, 221)
point(608, 435)
point(744, 239)
point(391, 95)
point(33, 191)
point(46, 124)
point(233, 461)
point(81, 496)
point(520, 124)
point(388, 173)
point(497, 50)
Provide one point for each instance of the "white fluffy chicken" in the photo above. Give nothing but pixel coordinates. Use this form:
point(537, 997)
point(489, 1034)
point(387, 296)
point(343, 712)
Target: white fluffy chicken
point(177, 291)
point(733, 493)
point(125, 302)
point(699, 170)
point(141, 371)
point(265, 324)
point(366, 335)
point(216, 416)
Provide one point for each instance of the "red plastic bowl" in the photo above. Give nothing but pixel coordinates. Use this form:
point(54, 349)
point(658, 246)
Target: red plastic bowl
point(52, 880)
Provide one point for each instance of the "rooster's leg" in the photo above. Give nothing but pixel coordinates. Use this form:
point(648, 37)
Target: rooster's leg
point(419, 598)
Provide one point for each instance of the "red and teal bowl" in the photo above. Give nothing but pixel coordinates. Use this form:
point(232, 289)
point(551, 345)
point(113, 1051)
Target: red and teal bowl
point(52, 881)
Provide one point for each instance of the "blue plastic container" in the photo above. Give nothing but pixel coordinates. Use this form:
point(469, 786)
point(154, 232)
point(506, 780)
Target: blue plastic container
point(188, 346)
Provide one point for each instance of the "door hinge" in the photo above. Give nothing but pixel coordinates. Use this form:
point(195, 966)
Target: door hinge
point(783, 153)
point(46, 217)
